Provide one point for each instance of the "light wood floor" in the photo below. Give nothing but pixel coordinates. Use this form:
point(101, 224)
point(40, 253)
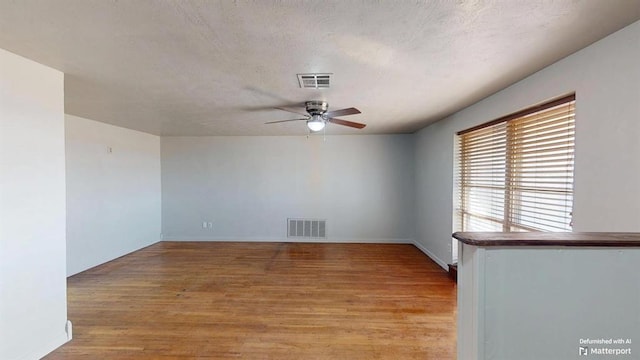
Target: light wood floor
point(211, 300)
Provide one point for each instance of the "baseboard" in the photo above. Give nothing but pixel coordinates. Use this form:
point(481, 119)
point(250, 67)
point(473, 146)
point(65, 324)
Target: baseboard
point(127, 252)
point(437, 260)
point(299, 240)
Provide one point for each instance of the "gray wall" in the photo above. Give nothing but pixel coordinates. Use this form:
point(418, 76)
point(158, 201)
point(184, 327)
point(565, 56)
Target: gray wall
point(248, 186)
point(606, 79)
point(555, 297)
point(33, 288)
point(113, 197)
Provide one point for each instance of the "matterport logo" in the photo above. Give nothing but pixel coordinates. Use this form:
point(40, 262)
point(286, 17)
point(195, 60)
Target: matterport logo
point(602, 346)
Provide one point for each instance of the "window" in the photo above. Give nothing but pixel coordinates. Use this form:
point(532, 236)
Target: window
point(516, 173)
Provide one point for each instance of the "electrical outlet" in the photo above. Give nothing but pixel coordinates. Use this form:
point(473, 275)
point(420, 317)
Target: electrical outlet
point(210, 225)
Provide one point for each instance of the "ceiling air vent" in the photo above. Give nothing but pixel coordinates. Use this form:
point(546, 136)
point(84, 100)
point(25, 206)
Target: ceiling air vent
point(314, 81)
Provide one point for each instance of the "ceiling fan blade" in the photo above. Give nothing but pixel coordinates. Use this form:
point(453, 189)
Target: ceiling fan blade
point(348, 111)
point(291, 110)
point(279, 121)
point(346, 123)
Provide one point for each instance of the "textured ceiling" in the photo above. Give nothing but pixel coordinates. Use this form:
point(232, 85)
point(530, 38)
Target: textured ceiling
point(219, 67)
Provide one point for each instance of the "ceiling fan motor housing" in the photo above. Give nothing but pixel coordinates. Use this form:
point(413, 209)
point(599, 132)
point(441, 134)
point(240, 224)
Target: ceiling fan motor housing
point(316, 107)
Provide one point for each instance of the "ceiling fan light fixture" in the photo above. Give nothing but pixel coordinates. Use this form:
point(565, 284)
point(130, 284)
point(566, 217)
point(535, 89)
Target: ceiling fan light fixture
point(316, 123)
point(318, 116)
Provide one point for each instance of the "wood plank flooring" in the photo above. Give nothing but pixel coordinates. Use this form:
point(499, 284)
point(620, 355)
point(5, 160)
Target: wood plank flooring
point(213, 300)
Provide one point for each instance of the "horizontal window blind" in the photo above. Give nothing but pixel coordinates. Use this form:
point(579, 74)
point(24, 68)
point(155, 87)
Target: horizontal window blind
point(517, 174)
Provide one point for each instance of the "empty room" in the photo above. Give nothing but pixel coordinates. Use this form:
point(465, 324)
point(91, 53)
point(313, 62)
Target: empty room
point(319, 179)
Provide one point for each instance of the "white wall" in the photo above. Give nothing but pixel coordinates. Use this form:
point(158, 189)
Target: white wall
point(606, 79)
point(113, 198)
point(33, 307)
point(248, 186)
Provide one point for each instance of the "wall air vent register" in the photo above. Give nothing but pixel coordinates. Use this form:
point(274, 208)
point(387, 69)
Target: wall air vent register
point(307, 228)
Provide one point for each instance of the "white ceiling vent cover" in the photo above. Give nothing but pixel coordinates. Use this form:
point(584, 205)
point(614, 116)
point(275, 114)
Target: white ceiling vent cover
point(314, 81)
point(307, 228)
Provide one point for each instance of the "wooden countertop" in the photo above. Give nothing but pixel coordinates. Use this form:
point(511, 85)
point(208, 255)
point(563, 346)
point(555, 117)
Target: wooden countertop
point(586, 239)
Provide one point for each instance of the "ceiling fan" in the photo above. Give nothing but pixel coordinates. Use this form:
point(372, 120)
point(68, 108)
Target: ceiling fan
point(317, 116)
